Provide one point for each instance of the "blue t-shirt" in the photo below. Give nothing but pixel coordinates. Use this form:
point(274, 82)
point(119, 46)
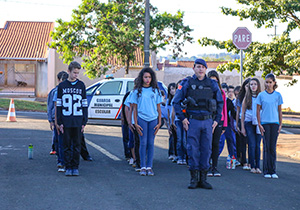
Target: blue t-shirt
point(269, 106)
point(147, 103)
point(127, 103)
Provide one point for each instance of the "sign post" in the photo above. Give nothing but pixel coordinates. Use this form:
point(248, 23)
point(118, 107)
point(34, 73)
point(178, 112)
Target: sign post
point(242, 38)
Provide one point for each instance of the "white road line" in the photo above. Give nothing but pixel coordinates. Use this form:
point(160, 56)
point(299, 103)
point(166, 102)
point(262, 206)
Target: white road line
point(286, 132)
point(102, 150)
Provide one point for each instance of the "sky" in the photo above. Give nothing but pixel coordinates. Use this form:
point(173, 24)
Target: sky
point(203, 16)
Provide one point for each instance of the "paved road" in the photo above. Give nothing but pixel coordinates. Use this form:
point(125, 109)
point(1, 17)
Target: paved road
point(109, 183)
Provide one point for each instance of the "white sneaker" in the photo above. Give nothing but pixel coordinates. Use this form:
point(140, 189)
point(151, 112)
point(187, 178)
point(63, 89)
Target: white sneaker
point(268, 176)
point(131, 161)
point(171, 157)
point(274, 176)
point(179, 162)
point(61, 169)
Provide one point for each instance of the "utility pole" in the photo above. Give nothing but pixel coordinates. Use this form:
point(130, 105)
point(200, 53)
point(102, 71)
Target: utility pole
point(147, 35)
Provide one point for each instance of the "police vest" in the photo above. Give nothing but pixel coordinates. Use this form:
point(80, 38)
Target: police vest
point(201, 92)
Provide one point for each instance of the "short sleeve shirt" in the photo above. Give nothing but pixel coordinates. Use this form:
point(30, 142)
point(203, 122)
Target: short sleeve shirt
point(269, 106)
point(147, 103)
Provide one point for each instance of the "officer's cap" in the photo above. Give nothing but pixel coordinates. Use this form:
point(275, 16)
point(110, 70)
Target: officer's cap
point(201, 61)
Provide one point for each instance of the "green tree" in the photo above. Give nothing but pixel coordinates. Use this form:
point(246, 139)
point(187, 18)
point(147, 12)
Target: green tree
point(100, 32)
point(281, 55)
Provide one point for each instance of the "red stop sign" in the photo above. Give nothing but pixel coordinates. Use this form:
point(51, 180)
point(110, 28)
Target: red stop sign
point(242, 38)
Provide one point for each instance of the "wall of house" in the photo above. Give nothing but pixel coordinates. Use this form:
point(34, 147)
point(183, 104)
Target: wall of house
point(289, 94)
point(41, 89)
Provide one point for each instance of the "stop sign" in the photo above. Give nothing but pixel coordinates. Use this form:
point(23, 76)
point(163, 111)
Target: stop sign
point(242, 38)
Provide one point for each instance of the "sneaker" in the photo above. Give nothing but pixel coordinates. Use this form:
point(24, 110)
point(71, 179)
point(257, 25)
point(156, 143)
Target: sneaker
point(253, 170)
point(216, 172)
point(137, 169)
point(274, 176)
point(68, 172)
point(61, 170)
point(179, 162)
point(237, 163)
point(52, 152)
point(131, 161)
point(184, 162)
point(143, 172)
point(75, 172)
point(258, 171)
point(268, 176)
point(150, 172)
point(210, 173)
point(246, 167)
point(88, 158)
point(175, 160)
point(59, 165)
point(171, 157)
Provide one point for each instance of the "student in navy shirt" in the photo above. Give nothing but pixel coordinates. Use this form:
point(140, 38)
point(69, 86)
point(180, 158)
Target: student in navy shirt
point(269, 117)
point(147, 115)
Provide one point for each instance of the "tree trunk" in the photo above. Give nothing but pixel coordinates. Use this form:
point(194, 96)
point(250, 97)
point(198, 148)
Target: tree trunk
point(127, 66)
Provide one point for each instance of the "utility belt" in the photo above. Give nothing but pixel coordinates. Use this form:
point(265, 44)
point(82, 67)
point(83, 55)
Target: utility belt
point(203, 117)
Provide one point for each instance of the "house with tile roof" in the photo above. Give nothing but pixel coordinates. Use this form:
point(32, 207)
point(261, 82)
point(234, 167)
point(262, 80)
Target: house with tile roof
point(25, 59)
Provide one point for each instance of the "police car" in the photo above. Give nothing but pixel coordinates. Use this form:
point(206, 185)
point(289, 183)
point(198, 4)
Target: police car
point(105, 97)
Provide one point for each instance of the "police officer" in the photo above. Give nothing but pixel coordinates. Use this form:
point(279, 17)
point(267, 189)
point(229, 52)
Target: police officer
point(204, 103)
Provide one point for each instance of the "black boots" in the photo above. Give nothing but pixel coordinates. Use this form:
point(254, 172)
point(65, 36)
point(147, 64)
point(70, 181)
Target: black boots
point(194, 179)
point(202, 180)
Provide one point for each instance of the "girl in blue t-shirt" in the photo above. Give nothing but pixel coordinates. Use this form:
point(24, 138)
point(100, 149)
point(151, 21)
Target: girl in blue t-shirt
point(146, 99)
point(249, 124)
point(269, 117)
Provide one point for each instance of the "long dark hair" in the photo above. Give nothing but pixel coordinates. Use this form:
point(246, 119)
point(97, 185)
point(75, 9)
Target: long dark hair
point(242, 92)
point(170, 96)
point(214, 73)
point(139, 82)
point(272, 77)
point(249, 94)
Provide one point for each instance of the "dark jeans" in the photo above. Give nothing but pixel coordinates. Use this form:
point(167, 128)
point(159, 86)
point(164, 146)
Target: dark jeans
point(84, 152)
point(59, 148)
point(137, 148)
point(242, 146)
point(72, 139)
point(181, 140)
point(215, 144)
point(230, 140)
point(254, 140)
point(125, 134)
point(173, 142)
point(270, 141)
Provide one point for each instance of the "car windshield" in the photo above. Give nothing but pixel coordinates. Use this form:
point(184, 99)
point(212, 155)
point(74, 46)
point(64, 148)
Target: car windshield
point(90, 90)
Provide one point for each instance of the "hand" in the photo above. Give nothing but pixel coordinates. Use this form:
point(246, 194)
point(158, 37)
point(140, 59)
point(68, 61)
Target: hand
point(214, 125)
point(238, 129)
point(244, 132)
point(139, 129)
point(131, 127)
point(279, 129)
point(61, 128)
point(52, 126)
point(57, 128)
point(156, 128)
point(185, 123)
point(82, 128)
point(262, 130)
point(223, 131)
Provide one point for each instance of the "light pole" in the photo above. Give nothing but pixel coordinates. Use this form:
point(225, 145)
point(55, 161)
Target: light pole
point(147, 35)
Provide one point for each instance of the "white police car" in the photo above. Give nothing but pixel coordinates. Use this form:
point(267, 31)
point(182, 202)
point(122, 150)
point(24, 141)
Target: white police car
point(105, 97)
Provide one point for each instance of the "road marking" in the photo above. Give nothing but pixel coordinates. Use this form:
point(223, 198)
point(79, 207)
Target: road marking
point(102, 150)
point(286, 132)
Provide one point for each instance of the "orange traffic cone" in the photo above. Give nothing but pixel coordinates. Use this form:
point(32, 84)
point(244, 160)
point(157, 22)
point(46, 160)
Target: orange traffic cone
point(11, 116)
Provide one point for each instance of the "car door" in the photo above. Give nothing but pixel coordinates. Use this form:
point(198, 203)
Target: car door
point(107, 100)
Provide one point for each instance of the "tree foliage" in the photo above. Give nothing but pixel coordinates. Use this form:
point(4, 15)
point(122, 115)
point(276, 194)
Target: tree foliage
point(281, 55)
point(99, 32)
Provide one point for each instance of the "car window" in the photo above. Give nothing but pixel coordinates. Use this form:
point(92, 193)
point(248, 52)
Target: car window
point(90, 90)
point(130, 85)
point(110, 88)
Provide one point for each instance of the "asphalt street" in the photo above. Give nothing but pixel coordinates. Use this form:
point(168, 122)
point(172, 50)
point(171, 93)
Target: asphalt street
point(109, 182)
